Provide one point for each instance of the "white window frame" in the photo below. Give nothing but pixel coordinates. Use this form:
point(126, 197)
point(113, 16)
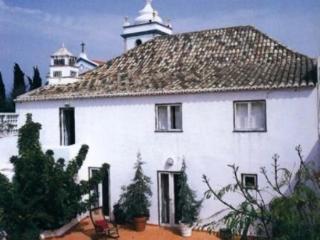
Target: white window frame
point(249, 129)
point(170, 129)
point(249, 175)
point(57, 74)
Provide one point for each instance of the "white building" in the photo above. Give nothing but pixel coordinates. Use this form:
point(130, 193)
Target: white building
point(213, 98)
point(84, 63)
point(65, 67)
point(146, 26)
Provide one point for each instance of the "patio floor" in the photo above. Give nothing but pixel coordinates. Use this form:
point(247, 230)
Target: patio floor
point(84, 231)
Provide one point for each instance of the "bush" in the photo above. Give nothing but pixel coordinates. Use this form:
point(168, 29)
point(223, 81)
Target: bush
point(43, 193)
point(292, 214)
point(187, 206)
point(135, 198)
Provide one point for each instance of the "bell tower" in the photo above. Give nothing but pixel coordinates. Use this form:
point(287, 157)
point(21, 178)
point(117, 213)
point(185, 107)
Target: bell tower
point(145, 27)
point(63, 67)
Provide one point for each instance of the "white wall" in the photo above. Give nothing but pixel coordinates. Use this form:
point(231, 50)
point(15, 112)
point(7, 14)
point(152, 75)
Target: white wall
point(117, 128)
point(8, 148)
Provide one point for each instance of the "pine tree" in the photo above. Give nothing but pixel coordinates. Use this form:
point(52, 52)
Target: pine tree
point(135, 199)
point(2, 95)
point(187, 206)
point(19, 86)
point(36, 81)
point(43, 193)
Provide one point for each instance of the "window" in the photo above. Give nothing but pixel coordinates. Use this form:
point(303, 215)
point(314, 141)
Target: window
point(57, 74)
point(249, 181)
point(72, 61)
point(250, 116)
point(138, 42)
point(168, 117)
point(67, 126)
point(59, 62)
point(73, 73)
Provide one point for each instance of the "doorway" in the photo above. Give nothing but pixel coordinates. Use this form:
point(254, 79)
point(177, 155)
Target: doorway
point(102, 190)
point(168, 197)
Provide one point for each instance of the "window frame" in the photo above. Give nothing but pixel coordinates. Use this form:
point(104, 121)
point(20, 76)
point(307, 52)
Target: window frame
point(57, 74)
point(249, 102)
point(168, 105)
point(61, 110)
point(254, 175)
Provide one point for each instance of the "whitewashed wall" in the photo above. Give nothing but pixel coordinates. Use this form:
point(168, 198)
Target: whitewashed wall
point(117, 128)
point(8, 148)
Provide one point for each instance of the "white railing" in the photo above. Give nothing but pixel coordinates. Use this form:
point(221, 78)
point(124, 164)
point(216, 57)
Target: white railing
point(8, 124)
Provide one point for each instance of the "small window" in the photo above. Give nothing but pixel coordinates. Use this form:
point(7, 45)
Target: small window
point(59, 62)
point(168, 117)
point(249, 181)
point(72, 61)
point(138, 42)
point(67, 126)
point(73, 73)
point(57, 74)
point(250, 116)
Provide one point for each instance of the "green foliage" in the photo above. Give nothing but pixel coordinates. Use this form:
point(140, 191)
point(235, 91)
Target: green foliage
point(135, 198)
point(2, 95)
point(36, 81)
point(19, 86)
point(293, 214)
point(43, 193)
point(187, 206)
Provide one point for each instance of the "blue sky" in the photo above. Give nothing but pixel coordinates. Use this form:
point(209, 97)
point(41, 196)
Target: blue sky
point(31, 30)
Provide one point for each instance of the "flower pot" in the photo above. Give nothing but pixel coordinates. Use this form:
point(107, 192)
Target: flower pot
point(186, 230)
point(139, 223)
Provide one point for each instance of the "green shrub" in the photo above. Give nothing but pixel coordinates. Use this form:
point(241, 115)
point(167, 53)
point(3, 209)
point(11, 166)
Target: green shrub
point(43, 193)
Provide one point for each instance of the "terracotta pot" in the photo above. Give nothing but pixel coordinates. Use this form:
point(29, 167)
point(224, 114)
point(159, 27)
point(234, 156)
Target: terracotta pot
point(186, 230)
point(139, 223)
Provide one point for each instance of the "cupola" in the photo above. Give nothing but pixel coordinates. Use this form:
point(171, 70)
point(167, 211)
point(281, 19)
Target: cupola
point(63, 67)
point(145, 27)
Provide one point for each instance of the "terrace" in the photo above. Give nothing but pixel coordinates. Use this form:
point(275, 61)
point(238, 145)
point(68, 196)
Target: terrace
point(85, 231)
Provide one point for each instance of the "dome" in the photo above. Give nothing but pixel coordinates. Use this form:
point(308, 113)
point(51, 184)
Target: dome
point(148, 14)
point(63, 51)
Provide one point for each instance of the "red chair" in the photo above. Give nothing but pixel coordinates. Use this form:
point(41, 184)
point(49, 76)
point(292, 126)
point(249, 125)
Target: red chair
point(102, 226)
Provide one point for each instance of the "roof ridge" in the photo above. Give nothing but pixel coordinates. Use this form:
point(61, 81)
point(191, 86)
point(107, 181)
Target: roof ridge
point(280, 43)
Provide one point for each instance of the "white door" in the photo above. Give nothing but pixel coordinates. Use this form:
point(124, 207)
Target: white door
point(168, 189)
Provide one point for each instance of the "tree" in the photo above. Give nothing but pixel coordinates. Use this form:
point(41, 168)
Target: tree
point(43, 193)
point(19, 86)
point(292, 214)
point(2, 95)
point(187, 205)
point(36, 81)
point(135, 199)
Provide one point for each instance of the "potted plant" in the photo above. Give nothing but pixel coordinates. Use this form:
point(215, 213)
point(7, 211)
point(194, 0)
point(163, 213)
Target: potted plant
point(135, 199)
point(187, 205)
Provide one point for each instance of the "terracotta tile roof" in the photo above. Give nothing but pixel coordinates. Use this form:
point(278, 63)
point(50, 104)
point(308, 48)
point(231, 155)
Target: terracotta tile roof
point(99, 62)
point(227, 59)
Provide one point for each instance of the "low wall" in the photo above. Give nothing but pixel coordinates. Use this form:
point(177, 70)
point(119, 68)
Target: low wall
point(8, 148)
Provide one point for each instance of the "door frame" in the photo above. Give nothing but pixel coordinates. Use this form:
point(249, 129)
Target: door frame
point(101, 193)
point(159, 172)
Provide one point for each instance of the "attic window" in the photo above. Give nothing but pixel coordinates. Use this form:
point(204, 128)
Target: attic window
point(249, 181)
point(138, 42)
point(67, 126)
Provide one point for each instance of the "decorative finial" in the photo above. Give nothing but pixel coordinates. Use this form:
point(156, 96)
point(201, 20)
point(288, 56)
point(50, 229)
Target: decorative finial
point(149, 1)
point(82, 47)
point(126, 21)
point(63, 45)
